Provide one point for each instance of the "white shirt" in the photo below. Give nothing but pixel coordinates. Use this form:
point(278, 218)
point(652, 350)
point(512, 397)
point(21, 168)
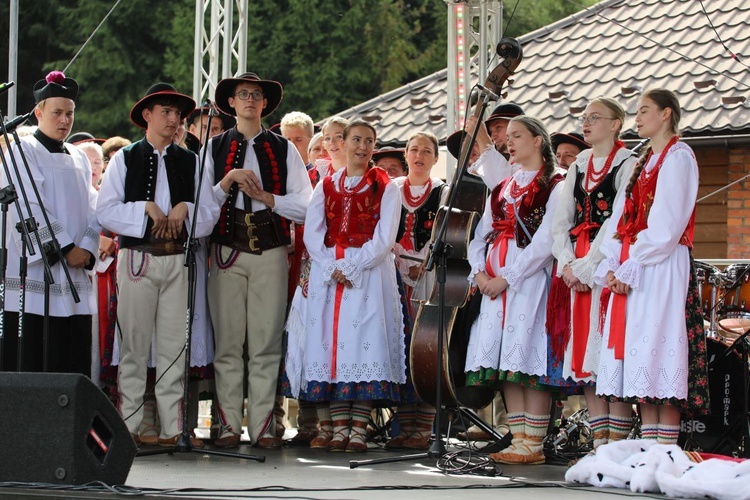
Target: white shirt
point(292, 205)
point(130, 219)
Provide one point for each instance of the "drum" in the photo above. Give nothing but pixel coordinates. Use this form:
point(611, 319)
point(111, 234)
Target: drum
point(703, 274)
point(734, 313)
point(721, 431)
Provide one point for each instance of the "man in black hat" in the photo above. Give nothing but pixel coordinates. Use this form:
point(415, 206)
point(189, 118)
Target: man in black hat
point(262, 182)
point(392, 161)
point(62, 174)
point(147, 197)
point(491, 140)
point(567, 147)
point(197, 122)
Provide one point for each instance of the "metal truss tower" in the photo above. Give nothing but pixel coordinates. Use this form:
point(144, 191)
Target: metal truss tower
point(220, 44)
point(474, 29)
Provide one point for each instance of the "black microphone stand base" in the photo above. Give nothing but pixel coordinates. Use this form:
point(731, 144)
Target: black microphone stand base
point(185, 445)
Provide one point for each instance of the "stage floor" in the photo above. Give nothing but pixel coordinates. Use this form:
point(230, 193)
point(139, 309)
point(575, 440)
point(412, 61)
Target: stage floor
point(298, 472)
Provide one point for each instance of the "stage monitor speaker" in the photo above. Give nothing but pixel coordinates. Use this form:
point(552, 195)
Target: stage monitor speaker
point(60, 428)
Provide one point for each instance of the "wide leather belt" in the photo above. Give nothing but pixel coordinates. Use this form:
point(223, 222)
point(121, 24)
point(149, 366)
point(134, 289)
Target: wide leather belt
point(160, 247)
point(255, 232)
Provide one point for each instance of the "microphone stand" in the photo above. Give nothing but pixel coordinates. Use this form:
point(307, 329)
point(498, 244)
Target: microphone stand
point(9, 195)
point(184, 443)
point(440, 250)
point(27, 226)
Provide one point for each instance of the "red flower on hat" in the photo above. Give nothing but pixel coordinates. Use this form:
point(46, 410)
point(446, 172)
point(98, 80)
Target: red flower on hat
point(56, 77)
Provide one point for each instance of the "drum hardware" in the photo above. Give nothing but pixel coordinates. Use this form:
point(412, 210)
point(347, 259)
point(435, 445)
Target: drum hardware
point(726, 430)
point(571, 438)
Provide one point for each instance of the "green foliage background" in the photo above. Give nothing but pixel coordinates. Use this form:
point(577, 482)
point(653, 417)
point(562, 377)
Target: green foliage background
point(328, 54)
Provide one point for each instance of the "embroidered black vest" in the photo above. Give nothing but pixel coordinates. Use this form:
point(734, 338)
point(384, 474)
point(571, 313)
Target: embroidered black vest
point(531, 214)
point(424, 218)
point(141, 164)
point(228, 151)
point(596, 206)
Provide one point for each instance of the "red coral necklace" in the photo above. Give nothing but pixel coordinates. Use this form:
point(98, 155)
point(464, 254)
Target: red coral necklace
point(416, 202)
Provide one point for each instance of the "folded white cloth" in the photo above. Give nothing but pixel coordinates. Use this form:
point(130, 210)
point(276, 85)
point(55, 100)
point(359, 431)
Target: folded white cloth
point(645, 466)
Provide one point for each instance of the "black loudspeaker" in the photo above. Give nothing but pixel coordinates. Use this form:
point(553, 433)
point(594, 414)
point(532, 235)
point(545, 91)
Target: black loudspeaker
point(60, 428)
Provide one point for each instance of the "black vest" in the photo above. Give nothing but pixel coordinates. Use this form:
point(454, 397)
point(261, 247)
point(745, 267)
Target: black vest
point(228, 150)
point(596, 206)
point(423, 218)
point(141, 164)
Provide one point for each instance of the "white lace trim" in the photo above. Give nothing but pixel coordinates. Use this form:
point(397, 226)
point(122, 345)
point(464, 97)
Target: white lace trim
point(511, 276)
point(351, 270)
point(630, 273)
point(328, 268)
point(604, 267)
point(583, 270)
point(474, 271)
point(566, 258)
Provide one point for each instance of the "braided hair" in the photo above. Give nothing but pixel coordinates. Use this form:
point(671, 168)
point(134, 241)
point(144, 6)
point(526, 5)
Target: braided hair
point(536, 127)
point(664, 99)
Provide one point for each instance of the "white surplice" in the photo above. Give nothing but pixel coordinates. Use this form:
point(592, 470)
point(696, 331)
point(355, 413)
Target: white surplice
point(521, 345)
point(583, 268)
point(64, 184)
point(371, 325)
point(655, 360)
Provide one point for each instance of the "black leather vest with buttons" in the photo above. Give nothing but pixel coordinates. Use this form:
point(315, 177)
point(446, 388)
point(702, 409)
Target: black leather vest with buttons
point(141, 164)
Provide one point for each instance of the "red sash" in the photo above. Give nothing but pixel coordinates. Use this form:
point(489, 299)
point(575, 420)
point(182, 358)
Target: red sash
point(581, 302)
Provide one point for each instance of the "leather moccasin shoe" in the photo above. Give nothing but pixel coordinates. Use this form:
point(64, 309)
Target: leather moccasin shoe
point(194, 442)
point(227, 440)
point(269, 443)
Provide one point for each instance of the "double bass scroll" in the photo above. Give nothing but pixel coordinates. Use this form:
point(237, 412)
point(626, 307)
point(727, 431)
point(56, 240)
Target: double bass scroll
point(455, 226)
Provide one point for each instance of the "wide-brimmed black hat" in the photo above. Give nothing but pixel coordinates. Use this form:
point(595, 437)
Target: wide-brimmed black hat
point(272, 91)
point(156, 91)
point(192, 142)
point(454, 141)
point(56, 84)
point(505, 111)
point(389, 153)
point(573, 138)
point(226, 120)
point(81, 137)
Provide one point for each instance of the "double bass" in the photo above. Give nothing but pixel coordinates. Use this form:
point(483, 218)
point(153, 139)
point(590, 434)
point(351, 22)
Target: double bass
point(469, 199)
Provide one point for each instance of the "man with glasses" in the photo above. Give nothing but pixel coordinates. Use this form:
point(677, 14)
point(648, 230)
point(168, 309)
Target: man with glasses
point(262, 183)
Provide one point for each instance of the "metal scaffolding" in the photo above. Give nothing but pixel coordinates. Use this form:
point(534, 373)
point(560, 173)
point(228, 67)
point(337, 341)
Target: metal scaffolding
point(220, 44)
point(474, 29)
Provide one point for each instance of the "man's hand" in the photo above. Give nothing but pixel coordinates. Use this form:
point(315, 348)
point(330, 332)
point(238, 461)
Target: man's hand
point(107, 247)
point(78, 257)
point(483, 138)
point(175, 220)
point(159, 229)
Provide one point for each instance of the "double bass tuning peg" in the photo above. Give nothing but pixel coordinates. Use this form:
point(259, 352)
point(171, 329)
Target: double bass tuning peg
point(510, 81)
point(504, 95)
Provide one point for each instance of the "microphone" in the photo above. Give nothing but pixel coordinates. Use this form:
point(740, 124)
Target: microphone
point(4, 87)
point(11, 125)
point(213, 110)
point(493, 96)
point(638, 147)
